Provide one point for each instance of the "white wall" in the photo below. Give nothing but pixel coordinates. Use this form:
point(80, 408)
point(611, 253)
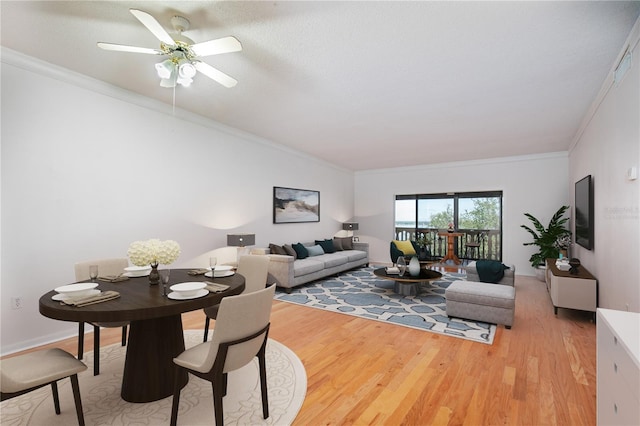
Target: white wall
point(531, 184)
point(608, 146)
point(88, 168)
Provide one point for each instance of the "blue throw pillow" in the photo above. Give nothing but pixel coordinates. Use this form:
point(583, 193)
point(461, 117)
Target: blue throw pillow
point(315, 250)
point(327, 246)
point(301, 251)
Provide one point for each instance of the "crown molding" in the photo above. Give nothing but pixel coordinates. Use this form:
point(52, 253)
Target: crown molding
point(629, 45)
point(467, 163)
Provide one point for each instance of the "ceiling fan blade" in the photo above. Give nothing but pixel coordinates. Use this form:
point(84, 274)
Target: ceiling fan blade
point(132, 49)
point(216, 75)
point(153, 26)
point(215, 47)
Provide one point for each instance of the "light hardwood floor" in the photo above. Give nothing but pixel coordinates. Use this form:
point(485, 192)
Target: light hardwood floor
point(361, 372)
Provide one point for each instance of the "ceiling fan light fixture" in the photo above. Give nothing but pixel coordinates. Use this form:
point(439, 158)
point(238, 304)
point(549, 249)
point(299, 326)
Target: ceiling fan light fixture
point(165, 69)
point(186, 82)
point(168, 82)
point(182, 53)
point(186, 69)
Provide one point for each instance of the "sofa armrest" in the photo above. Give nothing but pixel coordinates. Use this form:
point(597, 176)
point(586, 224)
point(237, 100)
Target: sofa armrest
point(281, 270)
point(361, 246)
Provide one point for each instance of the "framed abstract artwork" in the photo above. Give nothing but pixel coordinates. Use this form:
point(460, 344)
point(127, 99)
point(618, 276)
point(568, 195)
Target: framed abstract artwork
point(295, 205)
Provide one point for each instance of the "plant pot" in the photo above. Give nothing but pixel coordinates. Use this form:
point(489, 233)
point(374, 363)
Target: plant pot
point(541, 273)
point(424, 253)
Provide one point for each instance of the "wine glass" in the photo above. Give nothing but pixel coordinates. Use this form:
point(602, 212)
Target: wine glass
point(402, 265)
point(93, 272)
point(164, 279)
point(212, 264)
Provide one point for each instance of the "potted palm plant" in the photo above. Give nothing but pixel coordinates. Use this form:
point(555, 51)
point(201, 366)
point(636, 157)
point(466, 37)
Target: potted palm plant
point(546, 238)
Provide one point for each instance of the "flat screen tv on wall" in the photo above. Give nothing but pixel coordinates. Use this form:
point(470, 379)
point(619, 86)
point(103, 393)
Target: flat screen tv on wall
point(584, 212)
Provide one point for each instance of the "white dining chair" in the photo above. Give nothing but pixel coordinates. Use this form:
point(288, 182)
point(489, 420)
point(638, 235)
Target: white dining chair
point(240, 335)
point(112, 266)
point(25, 373)
point(255, 270)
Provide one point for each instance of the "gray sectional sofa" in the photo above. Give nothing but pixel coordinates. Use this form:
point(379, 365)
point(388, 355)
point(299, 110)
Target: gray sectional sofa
point(288, 272)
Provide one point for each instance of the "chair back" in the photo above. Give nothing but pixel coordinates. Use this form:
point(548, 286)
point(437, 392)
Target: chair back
point(111, 266)
point(239, 317)
point(255, 269)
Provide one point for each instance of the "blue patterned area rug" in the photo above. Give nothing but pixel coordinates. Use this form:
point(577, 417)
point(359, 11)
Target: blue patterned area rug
point(360, 293)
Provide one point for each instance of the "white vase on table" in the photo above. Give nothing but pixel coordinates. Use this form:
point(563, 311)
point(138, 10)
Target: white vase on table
point(414, 267)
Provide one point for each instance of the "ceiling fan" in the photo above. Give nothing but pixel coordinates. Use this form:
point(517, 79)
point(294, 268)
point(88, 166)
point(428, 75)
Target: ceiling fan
point(183, 54)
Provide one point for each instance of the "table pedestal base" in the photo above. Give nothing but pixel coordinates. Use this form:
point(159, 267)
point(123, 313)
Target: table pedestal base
point(149, 369)
point(406, 288)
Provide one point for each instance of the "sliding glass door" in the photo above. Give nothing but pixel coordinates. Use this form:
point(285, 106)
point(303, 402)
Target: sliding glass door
point(478, 215)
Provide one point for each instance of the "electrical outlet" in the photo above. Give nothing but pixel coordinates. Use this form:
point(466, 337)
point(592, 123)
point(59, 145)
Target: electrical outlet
point(16, 303)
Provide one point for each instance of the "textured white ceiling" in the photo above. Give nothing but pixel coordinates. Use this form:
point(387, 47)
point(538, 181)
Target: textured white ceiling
point(363, 85)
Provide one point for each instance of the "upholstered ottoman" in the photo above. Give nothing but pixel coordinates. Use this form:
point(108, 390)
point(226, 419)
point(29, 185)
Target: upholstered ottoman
point(492, 303)
point(472, 274)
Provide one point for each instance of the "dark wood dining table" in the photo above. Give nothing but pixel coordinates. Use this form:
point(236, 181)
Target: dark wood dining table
point(155, 331)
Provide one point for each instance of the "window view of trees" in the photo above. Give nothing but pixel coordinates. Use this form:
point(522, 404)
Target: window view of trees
point(423, 215)
point(483, 213)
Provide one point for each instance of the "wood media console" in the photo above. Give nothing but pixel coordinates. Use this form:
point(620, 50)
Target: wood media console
point(571, 291)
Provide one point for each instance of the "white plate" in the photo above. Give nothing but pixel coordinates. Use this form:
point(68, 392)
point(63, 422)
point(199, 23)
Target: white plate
point(177, 296)
point(75, 290)
point(219, 274)
point(60, 297)
point(188, 288)
point(223, 268)
point(136, 274)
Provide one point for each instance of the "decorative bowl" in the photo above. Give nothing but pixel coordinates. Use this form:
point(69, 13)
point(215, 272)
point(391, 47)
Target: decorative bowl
point(76, 290)
point(138, 271)
point(188, 289)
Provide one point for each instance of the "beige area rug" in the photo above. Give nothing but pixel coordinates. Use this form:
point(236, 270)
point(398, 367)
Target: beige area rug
point(102, 405)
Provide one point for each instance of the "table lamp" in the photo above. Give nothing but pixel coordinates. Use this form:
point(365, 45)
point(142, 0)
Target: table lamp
point(241, 241)
point(350, 227)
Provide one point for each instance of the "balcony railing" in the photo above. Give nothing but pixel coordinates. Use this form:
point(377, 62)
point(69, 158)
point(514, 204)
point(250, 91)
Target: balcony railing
point(490, 242)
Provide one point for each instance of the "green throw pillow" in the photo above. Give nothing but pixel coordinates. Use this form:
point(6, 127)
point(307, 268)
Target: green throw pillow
point(301, 251)
point(327, 246)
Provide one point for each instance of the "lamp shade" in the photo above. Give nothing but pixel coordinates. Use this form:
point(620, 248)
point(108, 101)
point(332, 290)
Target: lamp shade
point(350, 226)
point(241, 240)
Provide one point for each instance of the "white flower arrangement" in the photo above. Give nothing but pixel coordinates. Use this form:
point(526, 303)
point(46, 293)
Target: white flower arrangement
point(153, 252)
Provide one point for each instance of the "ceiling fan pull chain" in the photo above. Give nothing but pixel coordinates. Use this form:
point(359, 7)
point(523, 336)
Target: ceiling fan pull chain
point(174, 101)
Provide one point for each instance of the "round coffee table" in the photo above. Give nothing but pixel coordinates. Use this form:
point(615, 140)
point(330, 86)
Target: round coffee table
point(407, 285)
